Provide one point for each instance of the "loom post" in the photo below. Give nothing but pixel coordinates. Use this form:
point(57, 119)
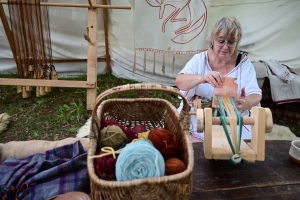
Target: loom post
point(208, 133)
point(258, 132)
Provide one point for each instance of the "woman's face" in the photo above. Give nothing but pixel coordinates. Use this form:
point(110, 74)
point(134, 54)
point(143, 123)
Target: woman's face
point(224, 47)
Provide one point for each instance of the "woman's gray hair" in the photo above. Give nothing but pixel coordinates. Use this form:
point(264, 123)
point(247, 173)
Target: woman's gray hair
point(231, 27)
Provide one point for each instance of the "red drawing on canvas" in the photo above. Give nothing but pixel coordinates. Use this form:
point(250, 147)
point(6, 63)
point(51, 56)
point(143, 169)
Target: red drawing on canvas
point(195, 22)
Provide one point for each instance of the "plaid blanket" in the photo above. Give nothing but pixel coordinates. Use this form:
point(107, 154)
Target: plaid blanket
point(41, 176)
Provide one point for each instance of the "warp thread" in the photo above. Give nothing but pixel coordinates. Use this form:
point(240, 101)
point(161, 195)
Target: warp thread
point(139, 159)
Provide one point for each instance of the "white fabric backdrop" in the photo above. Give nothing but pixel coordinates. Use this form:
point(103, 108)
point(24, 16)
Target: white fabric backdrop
point(174, 27)
point(271, 31)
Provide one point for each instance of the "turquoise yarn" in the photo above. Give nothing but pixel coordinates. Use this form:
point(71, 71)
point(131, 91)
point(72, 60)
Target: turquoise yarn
point(139, 159)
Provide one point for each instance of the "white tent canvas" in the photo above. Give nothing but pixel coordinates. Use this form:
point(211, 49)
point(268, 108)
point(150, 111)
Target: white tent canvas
point(270, 31)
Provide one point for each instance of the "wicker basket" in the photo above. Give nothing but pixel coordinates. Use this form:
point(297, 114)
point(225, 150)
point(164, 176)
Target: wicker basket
point(153, 113)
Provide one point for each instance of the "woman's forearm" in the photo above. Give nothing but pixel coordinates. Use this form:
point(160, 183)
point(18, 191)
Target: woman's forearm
point(188, 81)
point(252, 100)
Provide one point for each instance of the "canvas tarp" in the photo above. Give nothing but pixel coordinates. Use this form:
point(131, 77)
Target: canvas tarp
point(270, 32)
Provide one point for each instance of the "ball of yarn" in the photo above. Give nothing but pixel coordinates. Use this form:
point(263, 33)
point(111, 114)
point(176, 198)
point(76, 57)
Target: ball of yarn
point(166, 142)
point(139, 159)
point(110, 122)
point(174, 166)
point(112, 136)
point(105, 166)
point(139, 128)
point(143, 135)
point(131, 135)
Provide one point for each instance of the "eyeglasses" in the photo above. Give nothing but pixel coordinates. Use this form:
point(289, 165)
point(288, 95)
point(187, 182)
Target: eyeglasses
point(221, 43)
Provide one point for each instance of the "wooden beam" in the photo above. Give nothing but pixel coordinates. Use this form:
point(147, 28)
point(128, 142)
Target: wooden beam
point(8, 32)
point(77, 60)
point(48, 83)
point(105, 24)
point(78, 5)
point(92, 55)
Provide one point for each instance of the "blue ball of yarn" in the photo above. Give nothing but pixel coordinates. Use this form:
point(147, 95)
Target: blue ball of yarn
point(139, 159)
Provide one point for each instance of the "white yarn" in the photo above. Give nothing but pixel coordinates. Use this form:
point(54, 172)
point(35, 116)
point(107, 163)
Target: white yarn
point(4, 120)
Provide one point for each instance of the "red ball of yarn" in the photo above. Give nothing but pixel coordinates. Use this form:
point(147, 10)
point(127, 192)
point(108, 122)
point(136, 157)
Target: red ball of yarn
point(139, 128)
point(105, 166)
point(165, 142)
point(131, 135)
point(110, 122)
point(174, 166)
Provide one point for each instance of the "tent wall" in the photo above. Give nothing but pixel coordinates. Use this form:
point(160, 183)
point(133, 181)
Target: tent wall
point(270, 31)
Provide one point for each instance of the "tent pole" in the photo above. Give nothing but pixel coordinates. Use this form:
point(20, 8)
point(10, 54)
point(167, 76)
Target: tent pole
point(78, 5)
point(92, 55)
point(8, 32)
point(105, 24)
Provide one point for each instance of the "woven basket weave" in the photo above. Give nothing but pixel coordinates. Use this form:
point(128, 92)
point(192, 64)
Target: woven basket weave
point(153, 113)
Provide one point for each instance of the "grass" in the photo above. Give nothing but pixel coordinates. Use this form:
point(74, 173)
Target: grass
point(62, 112)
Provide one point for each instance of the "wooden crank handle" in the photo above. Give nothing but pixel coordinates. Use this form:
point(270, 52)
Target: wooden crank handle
point(269, 121)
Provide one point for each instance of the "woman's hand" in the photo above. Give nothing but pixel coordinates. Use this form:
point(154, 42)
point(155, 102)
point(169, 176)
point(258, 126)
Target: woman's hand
point(214, 78)
point(242, 101)
point(247, 102)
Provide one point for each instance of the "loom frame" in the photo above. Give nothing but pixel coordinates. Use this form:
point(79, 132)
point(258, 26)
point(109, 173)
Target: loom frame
point(216, 145)
point(92, 32)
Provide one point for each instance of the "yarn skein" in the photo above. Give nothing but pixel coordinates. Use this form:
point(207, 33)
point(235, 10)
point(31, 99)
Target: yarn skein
point(139, 159)
point(105, 166)
point(110, 122)
point(112, 136)
point(166, 142)
point(174, 166)
point(143, 135)
point(139, 128)
point(131, 135)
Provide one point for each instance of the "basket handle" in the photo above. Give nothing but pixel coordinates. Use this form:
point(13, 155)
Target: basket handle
point(184, 116)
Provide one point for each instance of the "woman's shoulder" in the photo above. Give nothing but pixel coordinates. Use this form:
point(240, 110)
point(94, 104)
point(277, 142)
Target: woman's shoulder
point(244, 59)
point(202, 54)
point(199, 57)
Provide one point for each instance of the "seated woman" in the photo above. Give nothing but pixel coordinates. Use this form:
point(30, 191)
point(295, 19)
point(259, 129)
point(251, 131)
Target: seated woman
point(206, 70)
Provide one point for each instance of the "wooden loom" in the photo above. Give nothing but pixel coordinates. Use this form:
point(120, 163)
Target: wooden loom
point(216, 145)
point(91, 36)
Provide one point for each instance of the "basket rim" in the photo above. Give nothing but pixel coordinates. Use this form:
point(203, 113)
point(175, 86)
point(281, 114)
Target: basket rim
point(132, 100)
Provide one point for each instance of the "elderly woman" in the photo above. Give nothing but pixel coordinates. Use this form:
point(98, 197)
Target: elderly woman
point(207, 70)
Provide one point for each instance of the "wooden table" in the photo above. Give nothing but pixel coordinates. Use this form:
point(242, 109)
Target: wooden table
point(275, 178)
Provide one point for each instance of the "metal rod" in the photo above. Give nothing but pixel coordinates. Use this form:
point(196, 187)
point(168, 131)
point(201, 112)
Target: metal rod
point(78, 5)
